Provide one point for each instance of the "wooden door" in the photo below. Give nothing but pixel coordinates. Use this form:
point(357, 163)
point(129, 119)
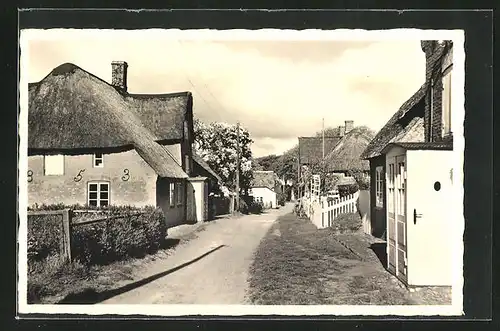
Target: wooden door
point(205, 200)
point(400, 192)
point(396, 216)
point(391, 216)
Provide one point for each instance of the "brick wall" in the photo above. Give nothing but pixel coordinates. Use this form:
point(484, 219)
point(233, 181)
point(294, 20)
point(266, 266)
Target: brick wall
point(433, 75)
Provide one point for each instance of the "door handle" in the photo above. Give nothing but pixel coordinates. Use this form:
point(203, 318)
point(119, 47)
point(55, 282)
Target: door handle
point(415, 216)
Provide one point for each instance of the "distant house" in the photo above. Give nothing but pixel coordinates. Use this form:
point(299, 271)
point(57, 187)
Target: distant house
point(313, 149)
point(346, 155)
point(264, 188)
point(94, 143)
point(412, 177)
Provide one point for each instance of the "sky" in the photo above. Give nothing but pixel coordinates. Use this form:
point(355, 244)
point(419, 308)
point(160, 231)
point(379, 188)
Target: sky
point(278, 89)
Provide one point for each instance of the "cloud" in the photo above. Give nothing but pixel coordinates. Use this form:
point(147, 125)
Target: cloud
point(278, 90)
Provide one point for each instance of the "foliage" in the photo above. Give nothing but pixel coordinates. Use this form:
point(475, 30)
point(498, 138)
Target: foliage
point(133, 235)
point(138, 232)
point(348, 222)
point(44, 236)
point(216, 143)
point(255, 207)
point(281, 199)
point(347, 189)
point(361, 178)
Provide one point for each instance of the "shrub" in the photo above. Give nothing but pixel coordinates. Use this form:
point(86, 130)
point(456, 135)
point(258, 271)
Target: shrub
point(348, 222)
point(129, 236)
point(281, 199)
point(256, 207)
point(44, 236)
point(361, 178)
point(347, 189)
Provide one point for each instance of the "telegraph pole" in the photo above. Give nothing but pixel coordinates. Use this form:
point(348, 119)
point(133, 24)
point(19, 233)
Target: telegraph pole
point(237, 202)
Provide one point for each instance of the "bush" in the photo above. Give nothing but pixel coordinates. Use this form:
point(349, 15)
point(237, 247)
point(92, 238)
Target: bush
point(361, 178)
point(255, 207)
point(348, 222)
point(140, 231)
point(281, 199)
point(44, 236)
point(130, 236)
point(347, 189)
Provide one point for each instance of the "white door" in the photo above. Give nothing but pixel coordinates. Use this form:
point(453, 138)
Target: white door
point(430, 220)
point(396, 216)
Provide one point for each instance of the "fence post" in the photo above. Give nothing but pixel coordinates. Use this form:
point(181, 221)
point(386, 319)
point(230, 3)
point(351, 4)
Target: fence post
point(67, 215)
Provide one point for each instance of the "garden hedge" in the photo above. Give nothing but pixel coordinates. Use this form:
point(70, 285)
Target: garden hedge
point(139, 232)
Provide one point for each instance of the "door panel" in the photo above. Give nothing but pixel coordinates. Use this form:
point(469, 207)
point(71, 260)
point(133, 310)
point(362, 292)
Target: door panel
point(430, 225)
point(391, 219)
point(401, 215)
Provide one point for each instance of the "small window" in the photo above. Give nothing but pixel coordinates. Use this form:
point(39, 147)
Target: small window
point(98, 194)
point(172, 194)
point(179, 193)
point(379, 186)
point(53, 165)
point(98, 160)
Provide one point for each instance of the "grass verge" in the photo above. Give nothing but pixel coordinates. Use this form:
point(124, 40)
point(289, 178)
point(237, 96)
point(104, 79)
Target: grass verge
point(299, 264)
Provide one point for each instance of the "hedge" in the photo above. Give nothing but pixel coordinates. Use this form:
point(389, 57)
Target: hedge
point(347, 189)
point(102, 242)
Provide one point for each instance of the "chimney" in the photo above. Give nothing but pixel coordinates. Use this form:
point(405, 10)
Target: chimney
point(119, 75)
point(349, 125)
point(341, 131)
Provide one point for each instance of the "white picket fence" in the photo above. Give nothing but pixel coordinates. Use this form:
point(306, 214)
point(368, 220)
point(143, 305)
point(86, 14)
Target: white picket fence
point(324, 212)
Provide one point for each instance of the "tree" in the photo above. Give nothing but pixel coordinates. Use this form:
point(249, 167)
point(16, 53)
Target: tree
point(216, 143)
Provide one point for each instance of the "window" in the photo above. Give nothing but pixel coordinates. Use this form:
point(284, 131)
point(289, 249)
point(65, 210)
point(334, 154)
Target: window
point(98, 160)
point(98, 194)
point(446, 123)
point(53, 164)
point(379, 186)
point(172, 194)
point(179, 192)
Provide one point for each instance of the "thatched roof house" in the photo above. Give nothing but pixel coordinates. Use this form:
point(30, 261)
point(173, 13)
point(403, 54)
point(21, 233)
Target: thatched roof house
point(262, 178)
point(346, 154)
point(406, 125)
point(311, 148)
point(72, 111)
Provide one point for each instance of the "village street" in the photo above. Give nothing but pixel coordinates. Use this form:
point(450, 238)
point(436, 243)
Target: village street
point(215, 263)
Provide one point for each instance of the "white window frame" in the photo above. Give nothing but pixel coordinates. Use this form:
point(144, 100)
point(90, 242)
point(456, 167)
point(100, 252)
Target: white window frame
point(446, 101)
point(171, 194)
point(98, 191)
point(179, 194)
point(97, 158)
point(379, 186)
point(54, 158)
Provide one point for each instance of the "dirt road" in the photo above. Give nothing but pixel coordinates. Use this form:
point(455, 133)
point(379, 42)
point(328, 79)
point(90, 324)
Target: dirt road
point(210, 269)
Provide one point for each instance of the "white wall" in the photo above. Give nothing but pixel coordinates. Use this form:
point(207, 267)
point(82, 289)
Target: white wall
point(268, 196)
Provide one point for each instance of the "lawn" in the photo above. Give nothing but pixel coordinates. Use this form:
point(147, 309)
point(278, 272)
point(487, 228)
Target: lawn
point(299, 264)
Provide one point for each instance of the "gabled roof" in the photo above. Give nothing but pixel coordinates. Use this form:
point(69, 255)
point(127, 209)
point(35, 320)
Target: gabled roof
point(204, 165)
point(400, 124)
point(346, 154)
point(311, 148)
point(263, 178)
point(71, 109)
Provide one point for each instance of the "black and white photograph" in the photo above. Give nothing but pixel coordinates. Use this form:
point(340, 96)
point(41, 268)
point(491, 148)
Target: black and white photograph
point(241, 172)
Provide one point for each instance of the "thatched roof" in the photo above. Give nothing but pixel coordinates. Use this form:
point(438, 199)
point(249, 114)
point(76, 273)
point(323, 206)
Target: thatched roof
point(346, 154)
point(263, 178)
point(402, 123)
point(204, 165)
point(311, 148)
point(71, 109)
